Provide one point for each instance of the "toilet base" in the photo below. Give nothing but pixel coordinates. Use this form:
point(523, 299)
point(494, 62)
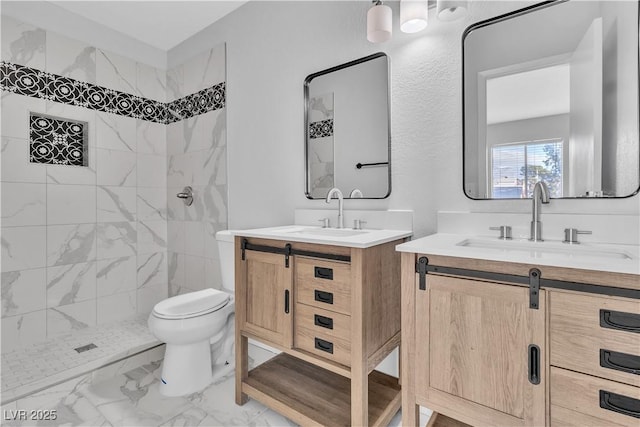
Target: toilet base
point(186, 369)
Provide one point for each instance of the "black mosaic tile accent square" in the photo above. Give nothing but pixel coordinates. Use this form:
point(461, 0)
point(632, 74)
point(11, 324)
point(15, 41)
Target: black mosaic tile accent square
point(39, 84)
point(4, 76)
point(321, 129)
point(96, 98)
point(57, 141)
point(218, 95)
point(24, 80)
point(64, 90)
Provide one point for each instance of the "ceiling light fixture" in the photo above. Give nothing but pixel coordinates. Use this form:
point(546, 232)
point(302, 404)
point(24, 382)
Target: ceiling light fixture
point(451, 10)
point(413, 15)
point(379, 23)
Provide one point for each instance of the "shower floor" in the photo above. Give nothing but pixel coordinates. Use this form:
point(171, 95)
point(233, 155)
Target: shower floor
point(41, 365)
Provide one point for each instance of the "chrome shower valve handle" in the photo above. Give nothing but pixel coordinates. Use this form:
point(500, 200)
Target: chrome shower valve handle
point(186, 195)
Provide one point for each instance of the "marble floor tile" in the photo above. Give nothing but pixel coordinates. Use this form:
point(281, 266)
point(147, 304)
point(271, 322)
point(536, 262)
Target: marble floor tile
point(63, 402)
point(271, 418)
point(218, 400)
point(191, 417)
point(133, 399)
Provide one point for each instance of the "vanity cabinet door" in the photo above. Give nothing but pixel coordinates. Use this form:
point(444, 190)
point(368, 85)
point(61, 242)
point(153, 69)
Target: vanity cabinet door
point(480, 352)
point(268, 302)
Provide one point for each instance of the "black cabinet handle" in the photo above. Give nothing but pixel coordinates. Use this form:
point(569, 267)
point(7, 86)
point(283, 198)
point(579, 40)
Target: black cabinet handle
point(620, 361)
point(534, 364)
point(321, 296)
point(322, 321)
point(324, 345)
point(619, 320)
point(621, 404)
point(323, 273)
point(286, 301)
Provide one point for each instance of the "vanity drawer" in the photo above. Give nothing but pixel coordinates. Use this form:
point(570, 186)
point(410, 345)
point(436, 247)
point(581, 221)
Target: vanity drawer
point(596, 335)
point(333, 344)
point(323, 284)
point(323, 322)
point(595, 400)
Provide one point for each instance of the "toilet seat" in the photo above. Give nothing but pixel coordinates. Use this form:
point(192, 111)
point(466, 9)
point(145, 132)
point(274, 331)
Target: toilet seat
point(191, 305)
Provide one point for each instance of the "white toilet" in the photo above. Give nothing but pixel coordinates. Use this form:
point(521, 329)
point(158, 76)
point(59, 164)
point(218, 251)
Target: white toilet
point(192, 324)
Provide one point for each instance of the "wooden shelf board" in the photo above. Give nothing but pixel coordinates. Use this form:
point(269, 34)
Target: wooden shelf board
point(310, 395)
point(439, 420)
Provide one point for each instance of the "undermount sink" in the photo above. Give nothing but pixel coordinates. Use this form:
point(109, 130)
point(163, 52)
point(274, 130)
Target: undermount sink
point(544, 249)
point(333, 232)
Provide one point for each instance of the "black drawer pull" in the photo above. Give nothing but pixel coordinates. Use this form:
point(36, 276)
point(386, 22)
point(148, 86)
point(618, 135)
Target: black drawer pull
point(322, 321)
point(620, 361)
point(324, 345)
point(619, 320)
point(286, 301)
point(323, 273)
point(621, 404)
point(321, 296)
point(534, 364)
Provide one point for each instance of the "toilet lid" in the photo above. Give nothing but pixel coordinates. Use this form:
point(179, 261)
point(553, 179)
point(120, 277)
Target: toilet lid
point(191, 304)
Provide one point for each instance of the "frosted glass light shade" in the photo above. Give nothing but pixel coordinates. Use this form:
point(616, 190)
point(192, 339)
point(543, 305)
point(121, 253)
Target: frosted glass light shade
point(413, 15)
point(450, 10)
point(379, 24)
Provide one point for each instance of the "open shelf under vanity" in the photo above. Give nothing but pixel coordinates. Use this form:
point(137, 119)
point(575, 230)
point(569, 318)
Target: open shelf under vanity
point(310, 395)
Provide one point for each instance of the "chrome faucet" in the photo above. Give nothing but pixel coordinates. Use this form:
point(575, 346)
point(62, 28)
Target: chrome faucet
point(540, 195)
point(338, 193)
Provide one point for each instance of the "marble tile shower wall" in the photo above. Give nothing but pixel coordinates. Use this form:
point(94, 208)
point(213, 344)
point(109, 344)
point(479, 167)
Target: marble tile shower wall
point(83, 246)
point(196, 156)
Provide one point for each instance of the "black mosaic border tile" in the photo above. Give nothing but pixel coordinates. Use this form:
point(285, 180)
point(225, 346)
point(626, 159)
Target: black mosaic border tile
point(321, 129)
point(57, 141)
point(39, 84)
point(209, 99)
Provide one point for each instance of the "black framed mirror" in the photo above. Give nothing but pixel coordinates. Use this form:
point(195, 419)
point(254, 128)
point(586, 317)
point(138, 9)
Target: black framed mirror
point(550, 93)
point(348, 129)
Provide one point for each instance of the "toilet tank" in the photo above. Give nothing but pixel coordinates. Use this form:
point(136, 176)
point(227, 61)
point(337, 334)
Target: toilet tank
point(225, 240)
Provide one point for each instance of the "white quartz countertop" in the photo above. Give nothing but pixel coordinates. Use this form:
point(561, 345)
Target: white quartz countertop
point(364, 238)
point(586, 256)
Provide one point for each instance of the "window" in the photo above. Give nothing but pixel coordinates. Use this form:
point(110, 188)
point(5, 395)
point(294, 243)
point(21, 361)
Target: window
point(515, 168)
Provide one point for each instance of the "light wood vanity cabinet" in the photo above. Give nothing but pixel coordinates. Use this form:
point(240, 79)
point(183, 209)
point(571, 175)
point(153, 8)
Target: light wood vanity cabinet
point(266, 283)
point(474, 350)
point(479, 348)
point(334, 312)
point(595, 360)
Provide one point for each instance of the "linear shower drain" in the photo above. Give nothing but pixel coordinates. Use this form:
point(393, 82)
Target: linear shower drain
point(86, 348)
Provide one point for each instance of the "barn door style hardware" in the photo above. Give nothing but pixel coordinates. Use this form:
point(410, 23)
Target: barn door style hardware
point(421, 269)
point(536, 282)
point(534, 288)
point(288, 250)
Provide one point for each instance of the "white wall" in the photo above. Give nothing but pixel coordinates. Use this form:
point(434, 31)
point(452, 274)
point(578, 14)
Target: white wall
point(273, 46)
